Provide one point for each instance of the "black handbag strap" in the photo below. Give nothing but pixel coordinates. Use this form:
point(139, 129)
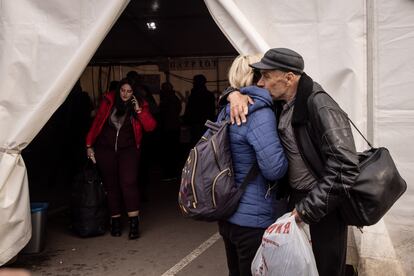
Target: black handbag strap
point(360, 133)
point(254, 170)
point(88, 165)
point(352, 123)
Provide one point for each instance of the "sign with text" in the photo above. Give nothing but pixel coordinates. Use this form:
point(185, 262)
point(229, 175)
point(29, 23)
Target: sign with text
point(177, 64)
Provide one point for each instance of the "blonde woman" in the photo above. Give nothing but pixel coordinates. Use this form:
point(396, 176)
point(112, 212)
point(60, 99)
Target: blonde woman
point(255, 141)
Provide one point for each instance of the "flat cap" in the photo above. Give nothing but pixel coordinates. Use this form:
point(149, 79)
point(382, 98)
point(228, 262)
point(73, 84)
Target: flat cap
point(281, 59)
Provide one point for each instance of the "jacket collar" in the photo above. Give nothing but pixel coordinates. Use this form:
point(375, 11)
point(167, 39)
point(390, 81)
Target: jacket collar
point(110, 97)
point(305, 88)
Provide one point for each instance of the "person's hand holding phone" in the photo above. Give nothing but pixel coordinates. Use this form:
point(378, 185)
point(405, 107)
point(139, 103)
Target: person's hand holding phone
point(134, 101)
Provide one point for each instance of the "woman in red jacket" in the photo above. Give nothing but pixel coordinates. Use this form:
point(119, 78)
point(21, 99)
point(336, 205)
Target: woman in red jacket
point(113, 143)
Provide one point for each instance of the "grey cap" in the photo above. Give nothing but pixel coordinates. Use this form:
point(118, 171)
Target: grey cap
point(281, 58)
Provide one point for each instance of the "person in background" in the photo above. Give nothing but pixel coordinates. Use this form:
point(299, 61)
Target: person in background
point(114, 143)
point(318, 142)
point(254, 143)
point(150, 140)
point(78, 110)
point(170, 109)
point(201, 107)
point(113, 85)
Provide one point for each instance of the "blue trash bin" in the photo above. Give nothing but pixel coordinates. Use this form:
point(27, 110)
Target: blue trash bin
point(39, 216)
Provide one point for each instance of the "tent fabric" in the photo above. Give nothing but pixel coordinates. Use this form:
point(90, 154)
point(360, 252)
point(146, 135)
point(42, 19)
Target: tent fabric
point(330, 35)
point(394, 81)
point(44, 47)
point(362, 53)
point(236, 27)
point(393, 109)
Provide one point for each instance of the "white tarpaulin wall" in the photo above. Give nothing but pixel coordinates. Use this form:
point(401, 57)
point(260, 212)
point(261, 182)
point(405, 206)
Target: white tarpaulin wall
point(44, 47)
point(329, 34)
point(393, 109)
point(362, 54)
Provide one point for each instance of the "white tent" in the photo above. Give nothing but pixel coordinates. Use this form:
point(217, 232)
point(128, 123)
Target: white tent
point(44, 47)
point(360, 51)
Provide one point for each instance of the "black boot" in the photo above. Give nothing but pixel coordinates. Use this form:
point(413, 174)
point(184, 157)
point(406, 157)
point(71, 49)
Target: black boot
point(116, 227)
point(133, 228)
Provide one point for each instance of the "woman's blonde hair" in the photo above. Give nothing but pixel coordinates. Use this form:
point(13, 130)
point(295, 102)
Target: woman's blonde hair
point(240, 73)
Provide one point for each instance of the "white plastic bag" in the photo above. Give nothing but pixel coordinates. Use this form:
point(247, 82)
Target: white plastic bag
point(285, 250)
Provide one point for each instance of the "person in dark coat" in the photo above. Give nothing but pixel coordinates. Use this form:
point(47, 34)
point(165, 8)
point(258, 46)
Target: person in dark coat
point(170, 109)
point(150, 140)
point(201, 106)
point(78, 119)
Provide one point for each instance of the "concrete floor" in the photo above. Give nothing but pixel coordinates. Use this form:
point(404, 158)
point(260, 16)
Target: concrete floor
point(166, 238)
point(400, 224)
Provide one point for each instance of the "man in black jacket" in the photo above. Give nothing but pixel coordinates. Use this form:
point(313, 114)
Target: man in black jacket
point(318, 142)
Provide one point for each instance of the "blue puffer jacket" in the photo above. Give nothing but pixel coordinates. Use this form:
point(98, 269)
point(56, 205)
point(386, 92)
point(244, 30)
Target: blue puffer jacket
point(257, 139)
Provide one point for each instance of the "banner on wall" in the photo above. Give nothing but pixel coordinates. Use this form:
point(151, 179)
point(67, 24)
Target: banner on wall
point(179, 64)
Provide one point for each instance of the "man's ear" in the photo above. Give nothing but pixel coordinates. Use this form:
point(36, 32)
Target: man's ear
point(290, 77)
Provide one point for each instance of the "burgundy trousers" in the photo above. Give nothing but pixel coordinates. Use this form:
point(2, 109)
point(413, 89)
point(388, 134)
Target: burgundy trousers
point(119, 171)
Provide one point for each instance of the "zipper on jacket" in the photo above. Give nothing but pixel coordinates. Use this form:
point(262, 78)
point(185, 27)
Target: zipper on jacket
point(213, 190)
point(116, 140)
point(192, 178)
point(269, 189)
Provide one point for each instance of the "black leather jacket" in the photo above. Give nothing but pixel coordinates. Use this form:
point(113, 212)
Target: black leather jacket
point(325, 141)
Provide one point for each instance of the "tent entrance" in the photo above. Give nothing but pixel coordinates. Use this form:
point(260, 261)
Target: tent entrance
point(186, 42)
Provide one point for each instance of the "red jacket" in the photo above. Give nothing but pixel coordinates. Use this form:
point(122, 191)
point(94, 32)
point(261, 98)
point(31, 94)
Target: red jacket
point(145, 121)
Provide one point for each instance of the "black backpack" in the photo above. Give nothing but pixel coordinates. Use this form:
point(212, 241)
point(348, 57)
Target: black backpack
point(208, 191)
point(89, 215)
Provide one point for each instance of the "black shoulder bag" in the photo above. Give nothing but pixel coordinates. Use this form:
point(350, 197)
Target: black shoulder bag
point(376, 189)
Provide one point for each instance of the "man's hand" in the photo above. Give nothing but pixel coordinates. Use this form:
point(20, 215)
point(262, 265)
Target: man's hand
point(238, 107)
point(296, 215)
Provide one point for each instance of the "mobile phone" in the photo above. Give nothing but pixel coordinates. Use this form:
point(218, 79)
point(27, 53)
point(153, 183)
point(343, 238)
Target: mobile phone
point(130, 103)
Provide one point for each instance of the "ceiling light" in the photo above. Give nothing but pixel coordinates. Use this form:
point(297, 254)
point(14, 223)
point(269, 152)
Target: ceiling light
point(155, 6)
point(151, 25)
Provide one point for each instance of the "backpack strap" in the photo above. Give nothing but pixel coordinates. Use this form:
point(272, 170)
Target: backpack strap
point(223, 116)
point(212, 125)
point(253, 172)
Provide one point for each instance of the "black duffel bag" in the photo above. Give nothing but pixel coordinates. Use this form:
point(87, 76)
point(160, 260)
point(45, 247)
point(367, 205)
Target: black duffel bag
point(89, 214)
point(376, 189)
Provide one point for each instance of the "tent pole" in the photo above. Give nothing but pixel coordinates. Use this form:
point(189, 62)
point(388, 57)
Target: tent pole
point(371, 67)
